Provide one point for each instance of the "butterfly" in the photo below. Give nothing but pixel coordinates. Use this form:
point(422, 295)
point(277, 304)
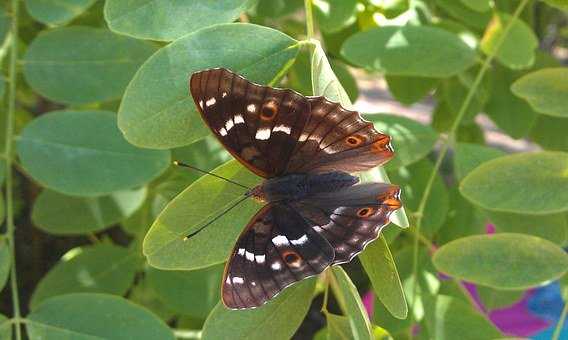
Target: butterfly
point(316, 214)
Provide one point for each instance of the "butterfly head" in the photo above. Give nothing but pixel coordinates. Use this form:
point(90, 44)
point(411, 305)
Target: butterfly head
point(257, 193)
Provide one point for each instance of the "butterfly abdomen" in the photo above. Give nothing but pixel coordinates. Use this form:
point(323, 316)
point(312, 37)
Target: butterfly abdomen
point(295, 187)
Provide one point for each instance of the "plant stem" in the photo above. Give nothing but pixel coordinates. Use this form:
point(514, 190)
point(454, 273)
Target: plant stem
point(309, 19)
point(451, 137)
point(560, 324)
point(10, 227)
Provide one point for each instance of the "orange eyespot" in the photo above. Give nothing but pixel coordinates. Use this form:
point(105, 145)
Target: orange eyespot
point(391, 198)
point(354, 140)
point(292, 258)
point(382, 145)
point(365, 212)
point(268, 111)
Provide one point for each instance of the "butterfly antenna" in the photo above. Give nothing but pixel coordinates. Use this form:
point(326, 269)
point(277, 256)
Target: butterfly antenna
point(210, 173)
point(216, 218)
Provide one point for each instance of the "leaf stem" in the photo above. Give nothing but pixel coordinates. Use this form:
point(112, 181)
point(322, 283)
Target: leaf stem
point(10, 227)
point(451, 137)
point(309, 19)
point(560, 324)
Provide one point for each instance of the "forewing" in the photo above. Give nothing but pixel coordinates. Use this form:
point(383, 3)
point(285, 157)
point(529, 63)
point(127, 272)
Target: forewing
point(277, 248)
point(337, 139)
point(259, 125)
point(352, 217)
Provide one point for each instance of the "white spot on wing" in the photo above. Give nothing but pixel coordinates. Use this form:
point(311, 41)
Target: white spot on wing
point(251, 108)
point(238, 119)
point(282, 128)
point(300, 241)
point(229, 125)
point(249, 256)
point(275, 266)
point(210, 102)
point(237, 279)
point(262, 134)
point(241, 251)
point(280, 240)
point(223, 132)
point(201, 103)
point(224, 95)
point(260, 259)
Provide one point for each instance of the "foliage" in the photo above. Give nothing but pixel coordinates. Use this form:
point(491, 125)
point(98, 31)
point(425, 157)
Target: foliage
point(95, 107)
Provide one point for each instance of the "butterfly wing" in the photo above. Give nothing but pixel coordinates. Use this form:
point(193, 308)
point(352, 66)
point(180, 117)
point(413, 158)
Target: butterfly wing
point(337, 139)
point(352, 217)
point(258, 125)
point(277, 248)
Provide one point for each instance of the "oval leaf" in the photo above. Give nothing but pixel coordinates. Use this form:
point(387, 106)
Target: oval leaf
point(507, 261)
point(164, 245)
point(60, 214)
point(84, 154)
point(469, 156)
point(94, 315)
point(381, 269)
point(409, 51)
point(57, 12)
point(517, 46)
point(351, 304)
point(276, 320)
point(5, 262)
point(63, 66)
point(411, 140)
point(545, 90)
point(102, 268)
point(154, 20)
point(158, 112)
point(334, 15)
point(526, 183)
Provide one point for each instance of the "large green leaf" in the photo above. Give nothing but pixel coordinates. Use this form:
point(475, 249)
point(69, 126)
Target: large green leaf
point(5, 327)
point(339, 328)
point(193, 293)
point(83, 64)
point(351, 304)
point(102, 268)
point(409, 51)
point(169, 20)
point(334, 15)
point(57, 12)
point(83, 153)
point(409, 90)
point(525, 183)
point(5, 262)
point(463, 219)
point(63, 215)
point(158, 112)
point(507, 261)
point(497, 298)
point(411, 140)
point(465, 14)
point(562, 4)
point(4, 24)
point(550, 132)
point(164, 245)
point(94, 316)
point(517, 49)
point(278, 319)
point(448, 318)
point(477, 5)
point(545, 90)
point(381, 269)
point(468, 156)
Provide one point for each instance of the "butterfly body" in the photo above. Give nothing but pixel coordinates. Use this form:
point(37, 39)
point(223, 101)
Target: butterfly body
point(316, 214)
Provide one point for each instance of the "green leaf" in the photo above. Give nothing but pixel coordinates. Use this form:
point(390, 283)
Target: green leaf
point(338, 328)
point(391, 8)
point(60, 214)
point(57, 12)
point(158, 112)
point(409, 90)
point(83, 153)
point(469, 156)
point(525, 183)
point(510, 113)
point(463, 219)
point(550, 132)
point(154, 19)
point(164, 245)
point(346, 79)
point(465, 14)
point(412, 180)
point(517, 49)
point(408, 51)
point(4, 24)
point(350, 302)
point(193, 293)
point(496, 298)
point(505, 261)
point(142, 294)
point(85, 316)
point(381, 269)
point(562, 4)
point(477, 5)
point(334, 15)
point(550, 227)
point(5, 327)
point(545, 90)
point(5, 262)
point(102, 268)
point(278, 319)
point(62, 65)
point(448, 318)
point(411, 140)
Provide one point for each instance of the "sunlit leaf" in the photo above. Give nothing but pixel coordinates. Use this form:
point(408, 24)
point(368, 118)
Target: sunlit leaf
point(545, 90)
point(57, 12)
point(333, 15)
